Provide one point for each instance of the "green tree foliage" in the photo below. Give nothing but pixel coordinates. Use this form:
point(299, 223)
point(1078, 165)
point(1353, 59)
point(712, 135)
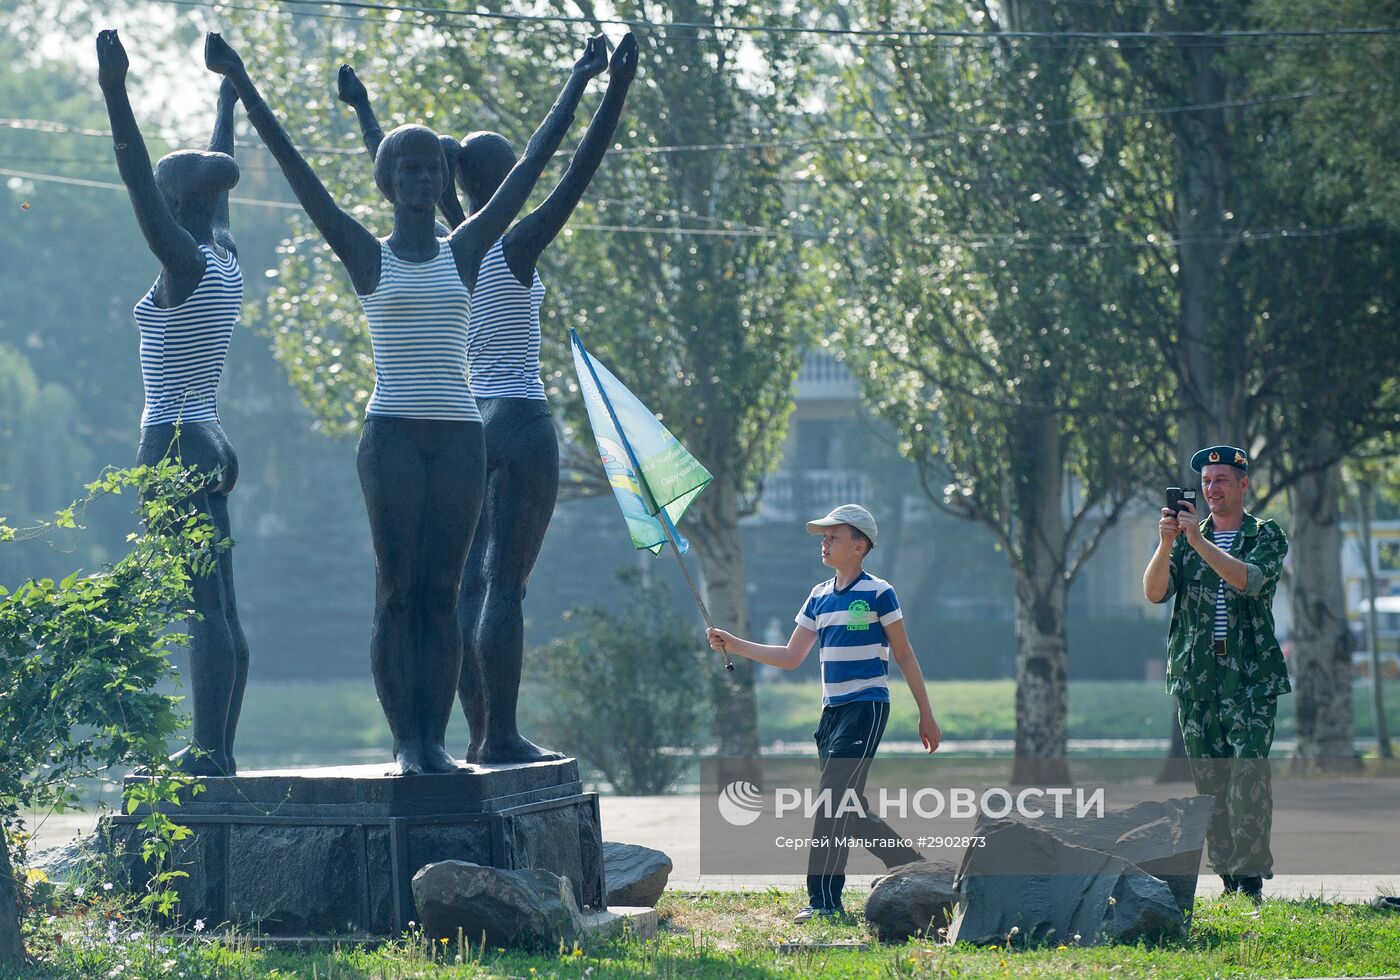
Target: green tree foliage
point(1351, 123)
point(989, 308)
point(81, 659)
point(38, 427)
point(1326, 303)
point(680, 270)
point(625, 688)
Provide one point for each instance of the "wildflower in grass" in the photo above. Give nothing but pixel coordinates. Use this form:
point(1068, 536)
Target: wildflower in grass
point(79, 891)
point(106, 886)
point(198, 925)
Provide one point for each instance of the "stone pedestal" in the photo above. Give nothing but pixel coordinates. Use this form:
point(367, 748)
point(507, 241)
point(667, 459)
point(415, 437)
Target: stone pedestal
point(317, 851)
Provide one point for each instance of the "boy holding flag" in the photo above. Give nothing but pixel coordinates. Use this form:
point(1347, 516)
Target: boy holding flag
point(857, 618)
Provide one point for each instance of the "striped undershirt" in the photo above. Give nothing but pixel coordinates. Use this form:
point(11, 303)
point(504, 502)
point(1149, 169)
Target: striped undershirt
point(504, 333)
point(850, 626)
point(183, 348)
point(418, 330)
point(1223, 541)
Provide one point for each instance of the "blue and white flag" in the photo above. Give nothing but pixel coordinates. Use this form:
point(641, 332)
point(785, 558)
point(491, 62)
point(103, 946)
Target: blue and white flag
point(652, 475)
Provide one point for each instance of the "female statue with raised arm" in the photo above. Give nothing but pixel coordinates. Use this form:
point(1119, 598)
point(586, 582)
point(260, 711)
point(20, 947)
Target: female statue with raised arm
point(186, 320)
point(522, 451)
point(352, 91)
point(421, 457)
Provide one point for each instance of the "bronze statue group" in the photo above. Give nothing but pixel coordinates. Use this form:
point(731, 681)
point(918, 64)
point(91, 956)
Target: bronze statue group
point(458, 458)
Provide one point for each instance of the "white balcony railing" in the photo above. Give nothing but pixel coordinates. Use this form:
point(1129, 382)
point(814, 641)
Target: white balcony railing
point(823, 376)
point(804, 495)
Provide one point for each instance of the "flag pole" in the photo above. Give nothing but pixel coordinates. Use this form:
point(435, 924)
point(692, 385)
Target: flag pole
point(665, 518)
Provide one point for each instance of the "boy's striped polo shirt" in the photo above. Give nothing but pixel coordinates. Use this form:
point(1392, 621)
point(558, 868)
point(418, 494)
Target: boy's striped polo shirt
point(850, 626)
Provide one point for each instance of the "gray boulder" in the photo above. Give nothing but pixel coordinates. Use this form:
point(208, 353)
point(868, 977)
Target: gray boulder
point(1025, 885)
point(1162, 837)
point(80, 861)
point(1142, 908)
point(912, 900)
point(526, 907)
point(636, 875)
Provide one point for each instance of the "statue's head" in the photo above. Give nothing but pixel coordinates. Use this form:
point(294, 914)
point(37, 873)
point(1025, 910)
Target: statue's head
point(192, 178)
point(486, 159)
point(410, 167)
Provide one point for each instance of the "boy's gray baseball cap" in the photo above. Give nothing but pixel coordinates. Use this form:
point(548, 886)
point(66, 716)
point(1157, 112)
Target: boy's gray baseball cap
point(853, 514)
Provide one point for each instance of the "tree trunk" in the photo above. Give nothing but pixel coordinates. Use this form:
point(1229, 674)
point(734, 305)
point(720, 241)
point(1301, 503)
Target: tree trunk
point(1364, 493)
point(11, 945)
point(1211, 357)
point(1321, 640)
point(1210, 351)
point(1042, 695)
point(716, 540)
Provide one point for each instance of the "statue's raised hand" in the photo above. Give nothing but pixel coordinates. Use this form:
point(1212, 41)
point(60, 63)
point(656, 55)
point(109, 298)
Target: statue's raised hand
point(219, 56)
point(112, 62)
point(594, 59)
point(228, 92)
point(623, 65)
point(349, 88)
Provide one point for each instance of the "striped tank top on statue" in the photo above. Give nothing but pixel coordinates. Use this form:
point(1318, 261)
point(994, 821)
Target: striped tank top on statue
point(504, 343)
point(183, 348)
point(418, 330)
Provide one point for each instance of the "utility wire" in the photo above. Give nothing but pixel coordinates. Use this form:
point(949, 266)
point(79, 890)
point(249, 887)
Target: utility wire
point(1020, 127)
point(109, 185)
point(824, 35)
point(974, 241)
point(883, 33)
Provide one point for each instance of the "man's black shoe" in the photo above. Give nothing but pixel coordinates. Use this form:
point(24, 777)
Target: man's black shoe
point(1251, 886)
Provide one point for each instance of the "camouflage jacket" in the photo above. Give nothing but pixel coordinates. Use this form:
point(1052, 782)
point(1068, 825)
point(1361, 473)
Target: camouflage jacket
point(1253, 666)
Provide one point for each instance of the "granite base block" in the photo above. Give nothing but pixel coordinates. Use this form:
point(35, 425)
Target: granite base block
point(333, 851)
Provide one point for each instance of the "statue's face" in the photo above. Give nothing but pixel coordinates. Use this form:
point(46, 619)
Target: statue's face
point(418, 178)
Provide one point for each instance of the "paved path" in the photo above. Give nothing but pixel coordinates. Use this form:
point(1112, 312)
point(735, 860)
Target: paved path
point(672, 824)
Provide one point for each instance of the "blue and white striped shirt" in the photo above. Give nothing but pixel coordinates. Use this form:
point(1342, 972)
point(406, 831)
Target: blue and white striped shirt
point(1223, 541)
point(850, 626)
point(504, 332)
point(418, 330)
point(183, 348)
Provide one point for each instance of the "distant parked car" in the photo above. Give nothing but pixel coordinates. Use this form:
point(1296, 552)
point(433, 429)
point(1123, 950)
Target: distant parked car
point(1361, 665)
point(1388, 628)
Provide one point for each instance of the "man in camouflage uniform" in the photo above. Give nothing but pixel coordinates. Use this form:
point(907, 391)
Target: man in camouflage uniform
point(1224, 664)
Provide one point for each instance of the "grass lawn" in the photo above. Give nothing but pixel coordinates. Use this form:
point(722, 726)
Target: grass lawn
point(339, 721)
point(987, 709)
point(726, 935)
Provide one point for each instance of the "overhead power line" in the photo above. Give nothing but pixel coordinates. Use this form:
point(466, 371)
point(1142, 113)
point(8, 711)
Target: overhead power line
point(853, 35)
point(1017, 127)
point(889, 33)
point(1011, 241)
point(109, 185)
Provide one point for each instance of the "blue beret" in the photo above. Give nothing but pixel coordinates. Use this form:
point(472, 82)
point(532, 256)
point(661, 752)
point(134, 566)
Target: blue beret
point(1228, 455)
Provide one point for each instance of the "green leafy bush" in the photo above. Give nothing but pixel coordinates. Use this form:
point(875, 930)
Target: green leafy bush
point(80, 661)
point(624, 688)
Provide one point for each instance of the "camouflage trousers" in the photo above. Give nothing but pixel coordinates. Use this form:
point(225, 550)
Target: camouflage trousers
point(1228, 745)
